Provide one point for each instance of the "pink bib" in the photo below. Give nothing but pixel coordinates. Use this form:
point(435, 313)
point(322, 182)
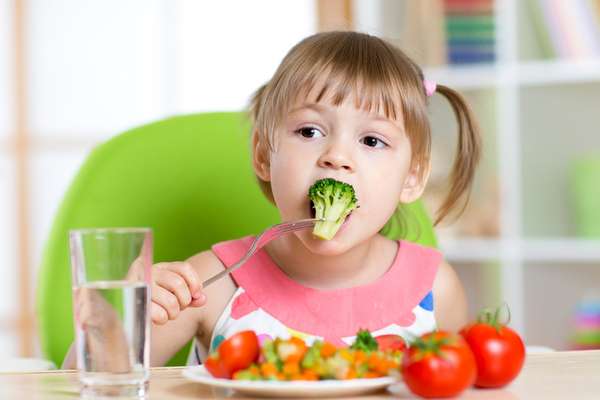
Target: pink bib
point(333, 314)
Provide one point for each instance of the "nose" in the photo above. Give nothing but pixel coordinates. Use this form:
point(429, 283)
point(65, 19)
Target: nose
point(336, 157)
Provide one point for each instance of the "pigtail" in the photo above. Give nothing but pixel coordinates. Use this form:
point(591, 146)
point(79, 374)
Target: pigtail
point(468, 153)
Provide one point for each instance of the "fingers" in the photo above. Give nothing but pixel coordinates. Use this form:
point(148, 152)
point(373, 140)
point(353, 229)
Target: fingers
point(176, 286)
point(200, 301)
point(159, 314)
point(167, 301)
point(92, 311)
point(187, 272)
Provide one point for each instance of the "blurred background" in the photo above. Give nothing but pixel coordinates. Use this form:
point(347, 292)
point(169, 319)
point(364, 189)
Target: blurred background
point(73, 73)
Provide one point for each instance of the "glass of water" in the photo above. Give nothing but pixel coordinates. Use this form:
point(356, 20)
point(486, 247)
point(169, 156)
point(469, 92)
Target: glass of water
point(111, 277)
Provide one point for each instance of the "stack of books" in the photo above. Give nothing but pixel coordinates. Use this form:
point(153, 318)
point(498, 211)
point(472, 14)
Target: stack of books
point(470, 31)
point(567, 29)
point(587, 324)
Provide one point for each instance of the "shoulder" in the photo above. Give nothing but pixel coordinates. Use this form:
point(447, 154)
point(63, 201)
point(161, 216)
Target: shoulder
point(419, 253)
point(218, 294)
point(449, 297)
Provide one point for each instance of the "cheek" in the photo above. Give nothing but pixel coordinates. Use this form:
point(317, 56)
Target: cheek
point(289, 177)
point(380, 201)
point(281, 167)
point(384, 187)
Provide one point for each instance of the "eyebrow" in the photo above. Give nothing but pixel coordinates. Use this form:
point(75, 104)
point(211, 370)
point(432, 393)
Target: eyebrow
point(312, 106)
point(320, 108)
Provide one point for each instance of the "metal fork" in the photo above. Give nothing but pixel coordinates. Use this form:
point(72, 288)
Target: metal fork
point(268, 234)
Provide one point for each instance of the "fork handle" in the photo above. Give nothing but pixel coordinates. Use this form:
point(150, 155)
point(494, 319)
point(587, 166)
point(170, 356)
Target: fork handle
point(265, 237)
point(226, 271)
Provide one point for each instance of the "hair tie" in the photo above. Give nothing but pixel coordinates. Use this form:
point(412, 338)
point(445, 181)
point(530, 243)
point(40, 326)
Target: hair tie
point(429, 87)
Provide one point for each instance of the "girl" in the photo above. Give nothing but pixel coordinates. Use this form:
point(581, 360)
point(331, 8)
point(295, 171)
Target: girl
point(352, 107)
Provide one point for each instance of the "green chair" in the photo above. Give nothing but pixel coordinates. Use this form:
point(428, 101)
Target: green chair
point(189, 178)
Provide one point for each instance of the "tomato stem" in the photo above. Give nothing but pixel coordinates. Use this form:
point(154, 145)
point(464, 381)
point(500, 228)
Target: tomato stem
point(431, 345)
point(504, 306)
point(493, 317)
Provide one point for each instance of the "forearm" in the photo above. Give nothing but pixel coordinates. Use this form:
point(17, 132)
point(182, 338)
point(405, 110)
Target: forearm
point(109, 351)
point(168, 339)
point(70, 361)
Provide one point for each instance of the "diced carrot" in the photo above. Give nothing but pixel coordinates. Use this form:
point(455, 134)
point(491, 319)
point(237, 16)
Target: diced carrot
point(360, 356)
point(291, 368)
point(254, 370)
point(299, 349)
point(268, 369)
point(373, 360)
point(377, 364)
point(371, 374)
point(296, 377)
point(309, 375)
point(328, 350)
point(298, 342)
point(382, 367)
point(351, 374)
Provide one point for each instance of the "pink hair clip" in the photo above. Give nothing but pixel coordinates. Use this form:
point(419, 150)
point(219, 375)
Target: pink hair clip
point(429, 87)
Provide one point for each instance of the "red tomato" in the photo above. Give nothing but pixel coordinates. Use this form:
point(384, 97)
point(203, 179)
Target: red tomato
point(214, 365)
point(239, 351)
point(499, 353)
point(233, 354)
point(390, 342)
point(438, 364)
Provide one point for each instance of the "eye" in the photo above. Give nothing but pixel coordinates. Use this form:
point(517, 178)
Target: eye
point(309, 132)
point(374, 142)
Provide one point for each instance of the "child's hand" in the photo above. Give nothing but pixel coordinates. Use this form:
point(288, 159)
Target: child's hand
point(103, 330)
point(175, 287)
point(94, 314)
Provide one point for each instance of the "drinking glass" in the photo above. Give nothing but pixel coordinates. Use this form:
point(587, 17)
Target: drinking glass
point(111, 282)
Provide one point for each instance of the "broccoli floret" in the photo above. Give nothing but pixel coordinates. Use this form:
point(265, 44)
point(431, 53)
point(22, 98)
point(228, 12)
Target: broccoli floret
point(365, 341)
point(333, 202)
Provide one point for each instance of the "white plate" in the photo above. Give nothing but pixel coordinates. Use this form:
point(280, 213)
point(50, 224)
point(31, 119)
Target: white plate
point(326, 388)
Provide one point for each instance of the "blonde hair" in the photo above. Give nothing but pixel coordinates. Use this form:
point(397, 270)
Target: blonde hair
point(338, 64)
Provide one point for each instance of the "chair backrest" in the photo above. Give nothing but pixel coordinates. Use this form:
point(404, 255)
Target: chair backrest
point(189, 178)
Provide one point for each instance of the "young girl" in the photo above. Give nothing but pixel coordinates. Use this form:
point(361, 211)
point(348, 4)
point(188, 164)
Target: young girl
point(347, 106)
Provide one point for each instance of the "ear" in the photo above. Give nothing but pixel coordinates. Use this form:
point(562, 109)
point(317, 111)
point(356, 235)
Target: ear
point(413, 184)
point(260, 158)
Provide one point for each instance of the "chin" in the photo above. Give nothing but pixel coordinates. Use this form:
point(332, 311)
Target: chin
point(333, 247)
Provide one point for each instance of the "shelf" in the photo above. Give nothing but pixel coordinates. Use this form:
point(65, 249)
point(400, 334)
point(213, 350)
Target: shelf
point(470, 250)
point(516, 96)
point(569, 250)
point(534, 250)
point(558, 71)
point(530, 73)
point(464, 77)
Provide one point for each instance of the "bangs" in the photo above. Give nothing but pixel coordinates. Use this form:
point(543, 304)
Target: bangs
point(336, 66)
point(377, 76)
point(334, 87)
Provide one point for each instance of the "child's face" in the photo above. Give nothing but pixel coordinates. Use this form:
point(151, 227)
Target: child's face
point(366, 150)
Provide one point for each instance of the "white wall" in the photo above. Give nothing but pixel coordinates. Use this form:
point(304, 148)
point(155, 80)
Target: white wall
point(228, 51)
point(95, 68)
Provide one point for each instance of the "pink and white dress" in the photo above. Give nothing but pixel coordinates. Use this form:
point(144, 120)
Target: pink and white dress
point(273, 305)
